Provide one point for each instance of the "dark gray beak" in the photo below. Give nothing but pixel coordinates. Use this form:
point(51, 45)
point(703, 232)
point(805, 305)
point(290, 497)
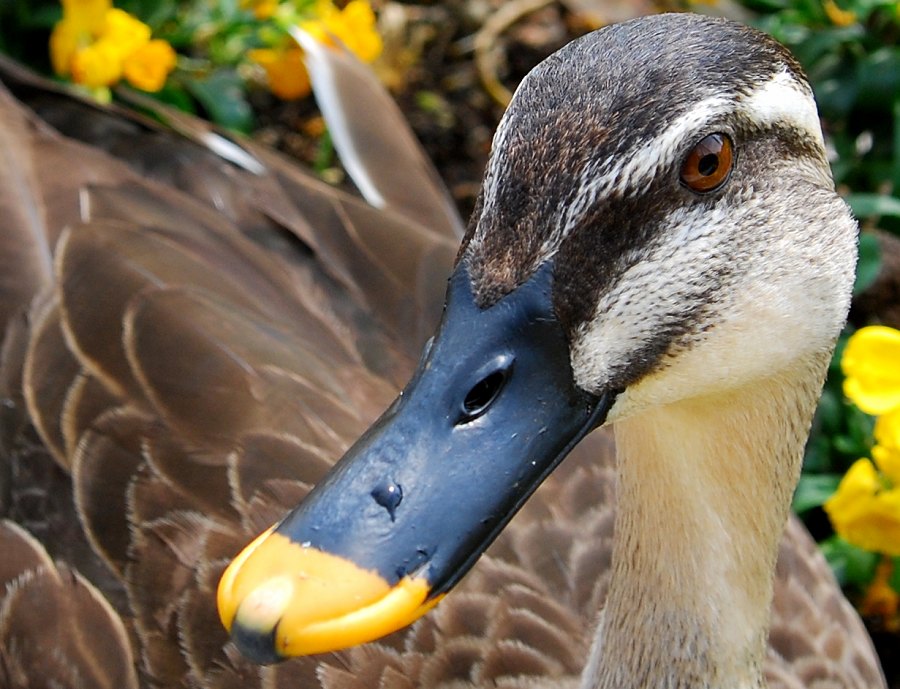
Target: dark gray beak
point(491, 410)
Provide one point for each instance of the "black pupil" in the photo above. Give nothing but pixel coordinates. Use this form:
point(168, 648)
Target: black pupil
point(708, 164)
point(483, 393)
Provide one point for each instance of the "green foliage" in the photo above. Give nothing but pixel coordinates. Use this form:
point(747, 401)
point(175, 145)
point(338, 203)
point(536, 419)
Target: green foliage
point(855, 72)
point(869, 261)
point(221, 93)
point(853, 567)
point(212, 39)
point(868, 205)
point(813, 490)
point(841, 435)
point(24, 28)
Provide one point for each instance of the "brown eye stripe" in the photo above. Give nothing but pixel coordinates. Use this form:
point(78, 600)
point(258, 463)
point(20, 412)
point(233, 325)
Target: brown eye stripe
point(708, 164)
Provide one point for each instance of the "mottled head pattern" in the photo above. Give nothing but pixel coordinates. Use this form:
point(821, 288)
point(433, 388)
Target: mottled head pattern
point(585, 171)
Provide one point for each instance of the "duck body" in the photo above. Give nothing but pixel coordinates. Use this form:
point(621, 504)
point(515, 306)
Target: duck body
point(291, 318)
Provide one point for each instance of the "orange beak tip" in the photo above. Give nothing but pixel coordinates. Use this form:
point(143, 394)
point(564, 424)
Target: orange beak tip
point(280, 599)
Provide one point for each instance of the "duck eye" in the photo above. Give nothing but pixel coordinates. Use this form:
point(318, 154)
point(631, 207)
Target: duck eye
point(482, 395)
point(708, 164)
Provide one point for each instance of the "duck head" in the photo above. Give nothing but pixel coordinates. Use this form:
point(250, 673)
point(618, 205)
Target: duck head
point(657, 221)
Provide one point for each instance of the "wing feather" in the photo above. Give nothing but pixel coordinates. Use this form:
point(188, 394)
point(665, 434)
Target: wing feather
point(374, 141)
point(90, 646)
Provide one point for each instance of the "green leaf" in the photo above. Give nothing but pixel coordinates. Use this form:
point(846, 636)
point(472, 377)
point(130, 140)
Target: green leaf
point(817, 456)
point(895, 164)
point(849, 445)
point(325, 154)
point(868, 205)
point(175, 95)
point(41, 17)
point(869, 262)
point(878, 74)
point(813, 490)
point(152, 12)
point(765, 5)
point(222, 95)
point(894, 580)
point(834, 369)
point(851, 565)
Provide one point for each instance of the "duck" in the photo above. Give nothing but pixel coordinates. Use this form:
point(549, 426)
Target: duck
point(596, 449)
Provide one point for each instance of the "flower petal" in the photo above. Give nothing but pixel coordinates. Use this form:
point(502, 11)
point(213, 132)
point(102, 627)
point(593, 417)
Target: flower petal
point(86, 15)
point(888, 463)
point(354, 26)
point(887, 430)
point(124, 32)
point(871, 364)
point(149, 65)
point(285, 71)
point(865, 514)
point(65, 40)
point(98, 64)
point(262, 9)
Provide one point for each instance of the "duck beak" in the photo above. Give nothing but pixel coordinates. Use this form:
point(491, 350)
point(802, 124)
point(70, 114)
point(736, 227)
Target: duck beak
point(491, 410)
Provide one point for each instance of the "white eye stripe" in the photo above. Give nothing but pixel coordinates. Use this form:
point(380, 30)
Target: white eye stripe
point(643, 162)
point(636, 168)
point(783, 100)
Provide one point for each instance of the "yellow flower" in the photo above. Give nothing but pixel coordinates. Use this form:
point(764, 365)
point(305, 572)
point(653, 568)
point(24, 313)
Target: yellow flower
point(86, 15)
point(871, 364)
point(96, 65)
point(285, 71)
point(124, 32)
point(65, 41)
point(97, 44)
point(838, 16)
point(262, 9)
point(887, 434)
point(81, 23)
point(886, 451)
point(148, 67)
point(354, 26)
point(865, 509)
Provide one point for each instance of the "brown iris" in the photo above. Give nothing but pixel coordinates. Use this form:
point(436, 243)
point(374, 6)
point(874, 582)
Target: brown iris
point(708, 164)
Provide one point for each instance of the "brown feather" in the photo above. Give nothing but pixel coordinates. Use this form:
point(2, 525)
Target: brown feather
point(90, 647)
point(21, 553)
point(104, 466)
point(46, 398)
point(376, 145)
point(25, 258)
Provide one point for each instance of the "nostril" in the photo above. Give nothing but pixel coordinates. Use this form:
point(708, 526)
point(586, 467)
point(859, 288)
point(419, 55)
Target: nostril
point(388, 495)
point(482, 395)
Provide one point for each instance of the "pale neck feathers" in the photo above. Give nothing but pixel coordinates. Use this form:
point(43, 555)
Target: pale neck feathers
point(704, 491)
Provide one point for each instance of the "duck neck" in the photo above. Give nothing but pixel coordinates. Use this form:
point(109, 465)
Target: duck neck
point(704, 490)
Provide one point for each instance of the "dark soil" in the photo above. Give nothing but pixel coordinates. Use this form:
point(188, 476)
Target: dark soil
point(429, 65)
